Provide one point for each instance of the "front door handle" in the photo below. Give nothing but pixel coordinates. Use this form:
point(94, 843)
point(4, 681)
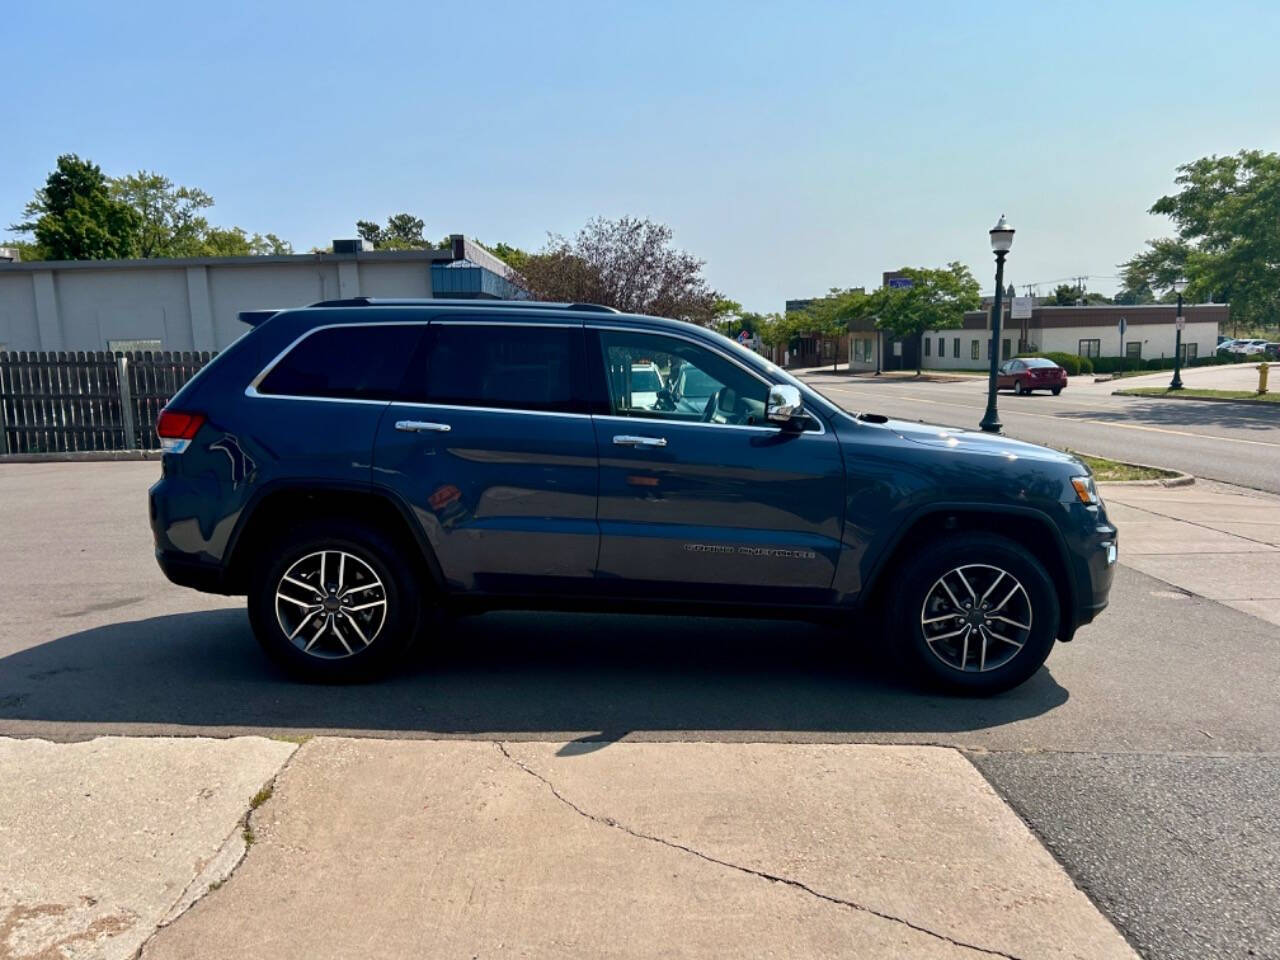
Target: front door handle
point(626, 440)
point(422, 426)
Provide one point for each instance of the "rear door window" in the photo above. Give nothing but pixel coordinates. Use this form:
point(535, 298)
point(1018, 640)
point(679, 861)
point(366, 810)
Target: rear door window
point(357, 362)
point(505, 366)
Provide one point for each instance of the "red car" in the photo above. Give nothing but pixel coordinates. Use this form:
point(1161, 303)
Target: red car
point(1031, 373)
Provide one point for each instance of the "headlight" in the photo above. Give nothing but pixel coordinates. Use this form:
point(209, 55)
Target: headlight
point(1085, 489)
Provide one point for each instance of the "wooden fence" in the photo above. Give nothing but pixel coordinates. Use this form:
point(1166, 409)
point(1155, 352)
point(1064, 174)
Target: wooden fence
point(67, 401)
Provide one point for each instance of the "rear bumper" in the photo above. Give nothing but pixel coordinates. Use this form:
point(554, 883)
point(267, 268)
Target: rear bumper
point(186, 572)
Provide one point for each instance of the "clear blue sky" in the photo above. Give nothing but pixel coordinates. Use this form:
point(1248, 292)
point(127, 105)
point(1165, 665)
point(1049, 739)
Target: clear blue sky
point(792, 146)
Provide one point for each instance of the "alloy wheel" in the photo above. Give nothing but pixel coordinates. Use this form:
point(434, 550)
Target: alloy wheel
point(330, 604)
point(976, 618)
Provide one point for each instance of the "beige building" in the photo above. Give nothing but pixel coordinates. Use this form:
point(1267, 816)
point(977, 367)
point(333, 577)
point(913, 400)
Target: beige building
point(193, 304)
point(1092, 331)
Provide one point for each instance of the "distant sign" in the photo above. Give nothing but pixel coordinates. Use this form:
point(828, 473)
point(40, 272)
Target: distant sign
point(744, 336)
point(897, 348)
point(1181, 323)
point(900, 283)
point(1021, 308)
point(1122, 326)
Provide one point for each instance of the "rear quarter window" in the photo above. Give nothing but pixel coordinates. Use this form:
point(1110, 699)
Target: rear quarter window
point(358, 362)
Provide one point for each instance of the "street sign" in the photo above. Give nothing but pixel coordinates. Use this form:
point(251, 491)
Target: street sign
point(1181, 323)
point(744, 336)
point(900, 283)
point(1122, 326)
point(1021, 308)
point(897, 348)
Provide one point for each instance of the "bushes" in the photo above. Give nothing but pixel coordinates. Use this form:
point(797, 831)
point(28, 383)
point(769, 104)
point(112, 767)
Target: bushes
point(1069, 362)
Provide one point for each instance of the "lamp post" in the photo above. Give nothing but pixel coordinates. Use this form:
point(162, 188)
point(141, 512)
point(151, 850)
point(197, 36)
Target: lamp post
point(1176, 382)
point(1001, 242)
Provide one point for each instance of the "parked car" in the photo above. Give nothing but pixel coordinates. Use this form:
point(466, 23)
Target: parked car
point(1248, 348)
point(1225, 343)
point(1025, 374)
point(358, 468)
point(1272, 351)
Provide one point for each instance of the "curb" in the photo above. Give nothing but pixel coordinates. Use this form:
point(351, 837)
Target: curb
point(81, 456)
point(1244, 401)
point(1178, 480)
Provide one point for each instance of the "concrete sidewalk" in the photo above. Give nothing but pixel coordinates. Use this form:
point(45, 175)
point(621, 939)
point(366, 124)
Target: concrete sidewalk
point(1210, 539)
point(102, 841)
point(375, 848)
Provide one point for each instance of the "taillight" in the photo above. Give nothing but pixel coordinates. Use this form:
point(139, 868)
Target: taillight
point(176, 429)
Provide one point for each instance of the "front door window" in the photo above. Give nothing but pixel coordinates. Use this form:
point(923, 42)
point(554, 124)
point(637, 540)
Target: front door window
point(665, 378)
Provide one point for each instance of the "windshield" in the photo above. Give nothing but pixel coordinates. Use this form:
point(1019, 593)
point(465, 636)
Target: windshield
point(695, 383)
point(645, 380)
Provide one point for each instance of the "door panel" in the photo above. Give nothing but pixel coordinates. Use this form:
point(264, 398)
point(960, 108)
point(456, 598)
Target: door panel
point(698, 498)
point(498, 461)
point(504, 496)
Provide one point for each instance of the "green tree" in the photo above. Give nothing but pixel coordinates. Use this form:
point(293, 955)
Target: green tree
point(1226, 213)
point(74, 217)
point(235, 242)
point(403, 231)
point(936, 300)
point(169, 220)
point(513, 257)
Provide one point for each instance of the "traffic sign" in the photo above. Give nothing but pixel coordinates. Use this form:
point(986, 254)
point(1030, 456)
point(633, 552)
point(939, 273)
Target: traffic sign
point(1122, 326)
point(1181, 323)
point(744, 336)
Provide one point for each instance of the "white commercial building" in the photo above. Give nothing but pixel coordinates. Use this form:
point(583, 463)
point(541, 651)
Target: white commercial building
point(193, 304)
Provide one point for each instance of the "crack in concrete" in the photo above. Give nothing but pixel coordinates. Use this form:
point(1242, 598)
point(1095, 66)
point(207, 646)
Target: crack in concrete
point(760, 874)
point(212, 884)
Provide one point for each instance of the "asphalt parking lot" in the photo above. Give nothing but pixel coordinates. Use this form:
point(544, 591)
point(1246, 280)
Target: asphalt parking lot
point(1146, 754)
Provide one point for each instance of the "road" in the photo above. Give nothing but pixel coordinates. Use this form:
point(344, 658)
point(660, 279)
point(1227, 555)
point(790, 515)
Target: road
point(1146, 754)
point(1235, 443)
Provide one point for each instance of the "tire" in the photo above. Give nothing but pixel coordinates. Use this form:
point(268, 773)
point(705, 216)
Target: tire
point(1018, 587)
point(358, 639)
point(1019, 389)
point(1057, 390)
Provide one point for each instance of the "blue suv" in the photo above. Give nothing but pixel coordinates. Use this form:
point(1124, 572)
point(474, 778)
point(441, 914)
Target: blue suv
point(358, 467)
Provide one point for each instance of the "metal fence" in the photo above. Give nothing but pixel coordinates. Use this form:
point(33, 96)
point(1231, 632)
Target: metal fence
point(68, 401)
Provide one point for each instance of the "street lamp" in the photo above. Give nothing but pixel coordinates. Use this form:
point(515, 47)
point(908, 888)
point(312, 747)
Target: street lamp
point(1001, 242)
point(1176, 382)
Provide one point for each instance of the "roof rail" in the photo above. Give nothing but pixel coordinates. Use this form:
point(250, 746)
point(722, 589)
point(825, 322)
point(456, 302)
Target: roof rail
point(483, 304)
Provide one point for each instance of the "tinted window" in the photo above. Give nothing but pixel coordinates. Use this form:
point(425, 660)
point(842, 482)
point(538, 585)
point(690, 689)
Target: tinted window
point(499, 365)
point(1039, 362)
point(361, 362)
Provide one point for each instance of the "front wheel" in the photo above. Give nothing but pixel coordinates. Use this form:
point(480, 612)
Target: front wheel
point(1019, 389)
point(334, 601)
point(975, 613)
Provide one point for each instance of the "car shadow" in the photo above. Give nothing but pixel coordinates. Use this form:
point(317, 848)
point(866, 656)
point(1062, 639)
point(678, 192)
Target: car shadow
point(1184, 414)
point(550, 676)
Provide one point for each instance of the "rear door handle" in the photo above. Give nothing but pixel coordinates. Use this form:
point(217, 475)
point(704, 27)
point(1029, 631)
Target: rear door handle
point(422, 426)
point(625, 440)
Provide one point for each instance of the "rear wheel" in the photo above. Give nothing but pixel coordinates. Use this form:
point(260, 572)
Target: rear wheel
point(974, 613)
point(1056, 391)
point(334, 601)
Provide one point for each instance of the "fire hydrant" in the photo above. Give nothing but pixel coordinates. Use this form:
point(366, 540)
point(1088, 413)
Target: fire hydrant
point(1262, 378)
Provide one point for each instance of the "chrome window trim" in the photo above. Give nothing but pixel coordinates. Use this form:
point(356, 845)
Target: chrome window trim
point(467, 409)
point(822, 427)
point(701, 423)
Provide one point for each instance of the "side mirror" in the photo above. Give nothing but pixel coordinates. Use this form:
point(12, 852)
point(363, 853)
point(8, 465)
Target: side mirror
point(784, 404)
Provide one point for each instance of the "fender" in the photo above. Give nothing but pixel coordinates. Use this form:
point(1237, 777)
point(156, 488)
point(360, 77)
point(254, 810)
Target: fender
point(302, 485)
point(1041, 518)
